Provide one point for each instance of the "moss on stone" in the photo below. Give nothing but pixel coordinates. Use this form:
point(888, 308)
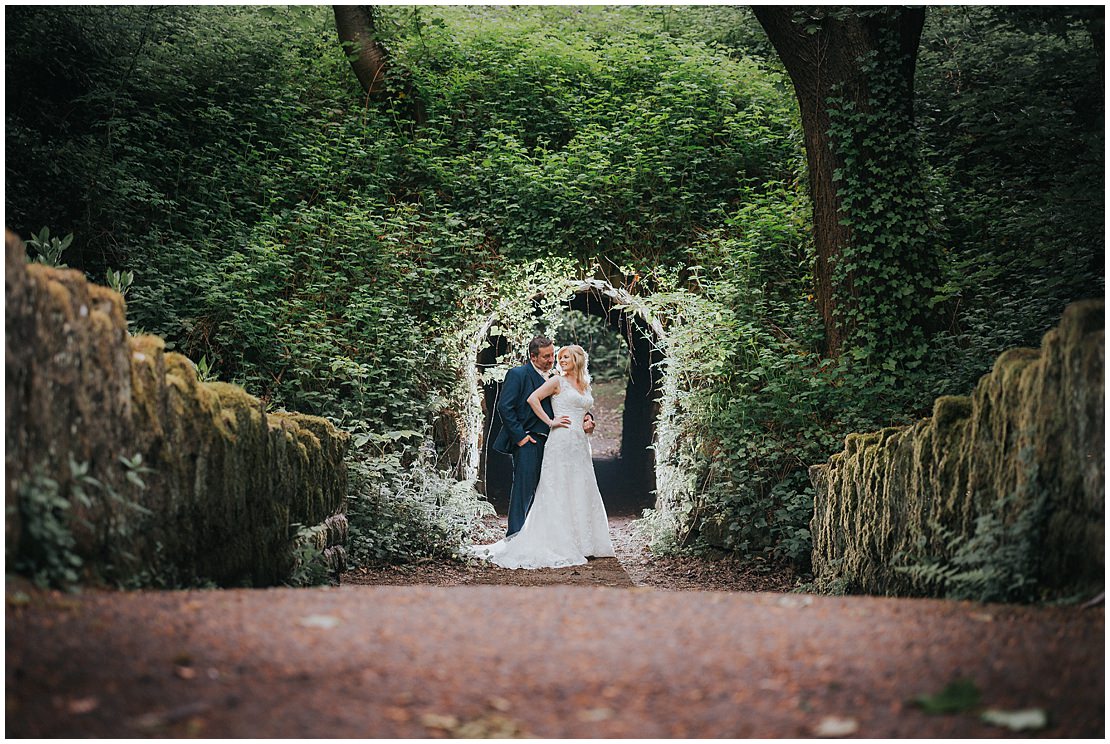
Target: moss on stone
point(59, 300)
point(111, 303)
point(228, 480)
point(852, 444)
point(950, 409)
point(1031, 432)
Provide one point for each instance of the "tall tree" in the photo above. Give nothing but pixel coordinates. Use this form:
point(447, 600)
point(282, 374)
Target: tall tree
point(855, 67)
point(355, 25)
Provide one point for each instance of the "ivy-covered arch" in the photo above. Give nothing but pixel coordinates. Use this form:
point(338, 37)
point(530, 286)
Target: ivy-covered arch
point(494, 350)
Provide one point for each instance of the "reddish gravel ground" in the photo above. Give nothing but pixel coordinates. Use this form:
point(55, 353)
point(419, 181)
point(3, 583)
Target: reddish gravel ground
point(634, 565)
point(552, 661)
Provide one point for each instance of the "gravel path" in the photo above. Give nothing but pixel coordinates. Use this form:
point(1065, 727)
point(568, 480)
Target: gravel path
point(632, 646)
point(633, 566)
point(547, 661)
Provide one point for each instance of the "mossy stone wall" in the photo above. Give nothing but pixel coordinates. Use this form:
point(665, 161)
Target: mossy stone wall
point(1026, 445)
point(228, 482)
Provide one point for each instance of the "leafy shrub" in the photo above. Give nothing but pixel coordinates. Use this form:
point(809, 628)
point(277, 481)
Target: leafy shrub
point(1012, 119)
point(48, 250)
point(309, 566)
point(47, 547)
point(401, 509)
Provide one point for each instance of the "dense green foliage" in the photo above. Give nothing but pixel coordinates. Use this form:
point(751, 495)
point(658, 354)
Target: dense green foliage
point(606, 349)
point(1009, 126)
point(1011, 107)
point(339, 259)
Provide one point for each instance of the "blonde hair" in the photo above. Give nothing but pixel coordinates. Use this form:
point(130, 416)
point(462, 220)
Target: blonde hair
point(581, 362)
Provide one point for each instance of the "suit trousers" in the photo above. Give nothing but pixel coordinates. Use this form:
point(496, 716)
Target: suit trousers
point(527, 461)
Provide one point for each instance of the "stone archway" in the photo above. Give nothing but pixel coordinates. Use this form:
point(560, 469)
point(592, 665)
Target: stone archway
point(629, 480)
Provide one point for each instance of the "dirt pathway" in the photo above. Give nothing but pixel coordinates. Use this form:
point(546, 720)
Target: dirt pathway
point(608, 410)
point(632, 646)
point(634, 566)
point(551, 661)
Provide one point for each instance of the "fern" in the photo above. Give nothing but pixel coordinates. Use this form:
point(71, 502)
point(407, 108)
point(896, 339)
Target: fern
point(998, 562)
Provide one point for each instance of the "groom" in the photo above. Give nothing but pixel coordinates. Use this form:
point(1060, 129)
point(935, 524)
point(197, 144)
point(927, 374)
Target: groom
point(522, 433)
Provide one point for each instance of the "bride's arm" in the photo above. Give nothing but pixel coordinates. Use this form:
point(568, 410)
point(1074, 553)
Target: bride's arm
point(548, 388)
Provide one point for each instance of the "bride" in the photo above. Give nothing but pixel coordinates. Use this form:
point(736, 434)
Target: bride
point(567, 521)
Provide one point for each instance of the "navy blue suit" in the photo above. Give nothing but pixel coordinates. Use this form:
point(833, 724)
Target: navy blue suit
point(517, 421)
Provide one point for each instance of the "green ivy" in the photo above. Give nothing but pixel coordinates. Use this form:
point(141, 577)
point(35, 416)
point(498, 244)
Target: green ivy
point(43, 511)
point(885, 277)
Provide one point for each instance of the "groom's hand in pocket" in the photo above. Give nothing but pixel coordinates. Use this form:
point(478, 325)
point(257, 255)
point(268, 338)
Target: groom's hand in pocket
point(526, 440)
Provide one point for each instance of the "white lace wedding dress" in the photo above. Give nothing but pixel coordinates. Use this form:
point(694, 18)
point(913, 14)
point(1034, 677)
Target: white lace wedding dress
point(567, 521)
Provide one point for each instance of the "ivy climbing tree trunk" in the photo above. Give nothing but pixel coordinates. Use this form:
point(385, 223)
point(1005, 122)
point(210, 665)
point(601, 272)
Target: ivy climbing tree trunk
point(852, 71)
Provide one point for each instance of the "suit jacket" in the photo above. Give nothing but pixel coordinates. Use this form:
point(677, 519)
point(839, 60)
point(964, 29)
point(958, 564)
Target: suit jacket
point(517, 417)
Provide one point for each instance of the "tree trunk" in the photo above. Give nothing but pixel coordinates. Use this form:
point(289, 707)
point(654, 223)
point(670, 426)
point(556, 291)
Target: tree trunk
point(355, 26)
point(822, 50)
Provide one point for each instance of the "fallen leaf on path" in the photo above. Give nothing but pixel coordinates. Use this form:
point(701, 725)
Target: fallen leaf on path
point(185, 672)
point(19, 599)
point(398, 714)
point(1016, 720)
point(595, 714)
point(158, 719)
point(956, 697)
point(148, 721)
point(831, 726)
point(437, 721)
point(81, 706)
point(491, 727)
point(319, 621)
point(194, 728)
point(500, 703)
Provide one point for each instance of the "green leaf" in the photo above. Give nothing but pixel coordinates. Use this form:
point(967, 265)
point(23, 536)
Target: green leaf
point(958, 696)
